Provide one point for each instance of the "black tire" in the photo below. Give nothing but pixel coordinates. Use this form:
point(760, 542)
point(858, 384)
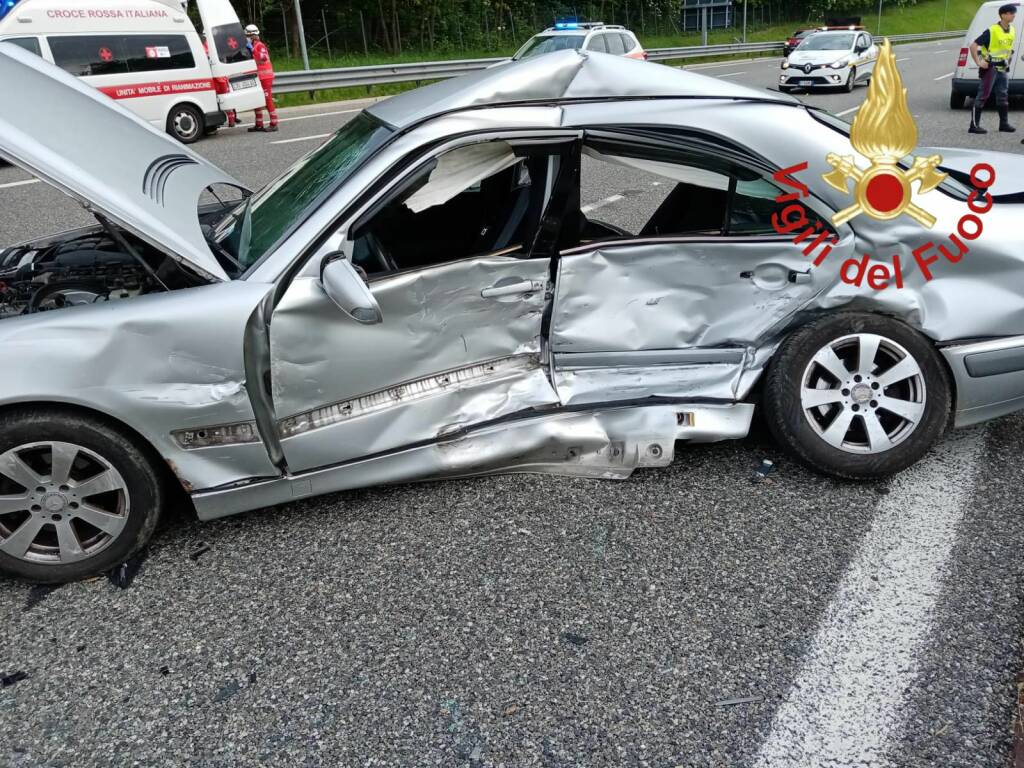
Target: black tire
point(792, 427)
point(143, 486)
point(957, 100)
point(851, 82)
point(186, 123)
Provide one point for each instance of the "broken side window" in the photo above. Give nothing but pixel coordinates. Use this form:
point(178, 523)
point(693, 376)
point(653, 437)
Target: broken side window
point(476, 200)
point(664, 192)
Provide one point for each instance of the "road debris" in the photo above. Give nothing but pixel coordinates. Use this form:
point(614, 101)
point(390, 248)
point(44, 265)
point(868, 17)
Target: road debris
point(740, 700)
point(199, 551)
point(575, 639)
point(6, 681)
point(123, 575)
point(761, 473)
point(165, 670)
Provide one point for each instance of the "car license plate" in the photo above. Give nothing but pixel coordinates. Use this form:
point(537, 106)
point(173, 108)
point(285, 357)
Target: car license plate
point(806, 82)
point(241, 85)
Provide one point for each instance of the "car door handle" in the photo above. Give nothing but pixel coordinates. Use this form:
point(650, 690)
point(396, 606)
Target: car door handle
point(799, 277)
point(511, 289)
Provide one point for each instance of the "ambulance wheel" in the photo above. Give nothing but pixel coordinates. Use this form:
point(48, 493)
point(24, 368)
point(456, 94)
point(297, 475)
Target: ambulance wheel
point(851, 81)
point(185, 123)
point(957, 100)
point(857, 396)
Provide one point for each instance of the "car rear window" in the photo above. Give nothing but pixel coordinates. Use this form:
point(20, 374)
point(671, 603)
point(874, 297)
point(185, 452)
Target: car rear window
point(548, 43)
point(84, 55)
point(627, 42)
point(230, 42)
point(614, 42)
point(597, 43)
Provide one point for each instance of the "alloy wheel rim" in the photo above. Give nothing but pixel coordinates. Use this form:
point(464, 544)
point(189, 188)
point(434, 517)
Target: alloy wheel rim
point(863, 393)
point(59, 503)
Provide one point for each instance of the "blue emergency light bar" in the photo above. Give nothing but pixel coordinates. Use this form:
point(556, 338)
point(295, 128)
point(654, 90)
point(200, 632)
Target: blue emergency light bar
point(6, 6)
point(558, 24)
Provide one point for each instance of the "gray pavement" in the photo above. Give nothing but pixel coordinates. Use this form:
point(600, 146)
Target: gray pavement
point(685, 617)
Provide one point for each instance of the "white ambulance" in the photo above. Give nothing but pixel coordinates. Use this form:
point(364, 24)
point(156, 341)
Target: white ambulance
point(147, 55)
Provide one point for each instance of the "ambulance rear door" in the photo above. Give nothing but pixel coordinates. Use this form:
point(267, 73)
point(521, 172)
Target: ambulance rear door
point(234, 71)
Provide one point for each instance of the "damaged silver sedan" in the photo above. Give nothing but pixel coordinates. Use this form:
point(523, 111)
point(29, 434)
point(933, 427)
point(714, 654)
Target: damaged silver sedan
point(426, 296)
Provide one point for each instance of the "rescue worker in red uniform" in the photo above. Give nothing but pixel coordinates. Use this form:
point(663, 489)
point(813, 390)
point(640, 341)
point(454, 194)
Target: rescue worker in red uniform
point(265, 72)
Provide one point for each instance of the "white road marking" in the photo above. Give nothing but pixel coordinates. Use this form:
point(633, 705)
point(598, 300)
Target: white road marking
point(845, 705)
point(732, 63)
point(905, 58)
point(731, 74)
point(602, 203)
point(943, 77)
point(18, 183)
point(319, 114)
point(303, 138)
point(848, 111)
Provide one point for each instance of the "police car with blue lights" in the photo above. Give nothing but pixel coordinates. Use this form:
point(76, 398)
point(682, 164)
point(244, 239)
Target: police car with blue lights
point(583, 36)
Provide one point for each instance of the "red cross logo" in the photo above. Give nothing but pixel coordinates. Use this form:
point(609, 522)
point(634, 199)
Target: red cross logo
point(106, 55)
point(232, 43)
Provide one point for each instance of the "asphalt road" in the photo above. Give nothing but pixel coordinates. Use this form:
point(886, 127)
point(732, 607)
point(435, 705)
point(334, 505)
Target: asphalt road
point(687, 617)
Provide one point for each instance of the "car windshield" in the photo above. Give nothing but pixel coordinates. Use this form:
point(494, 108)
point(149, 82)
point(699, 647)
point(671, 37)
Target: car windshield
point(252, 228)
point(827, 43)
point(548, 43)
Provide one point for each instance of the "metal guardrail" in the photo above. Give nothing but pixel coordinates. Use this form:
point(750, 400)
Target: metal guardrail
point(378, 74)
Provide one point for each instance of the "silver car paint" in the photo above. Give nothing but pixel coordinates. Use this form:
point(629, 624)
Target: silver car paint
point(156, 363)
point(179, 361)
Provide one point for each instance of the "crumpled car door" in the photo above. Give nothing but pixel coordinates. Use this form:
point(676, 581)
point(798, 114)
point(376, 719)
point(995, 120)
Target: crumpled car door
point(459, 346)
point(675, 318)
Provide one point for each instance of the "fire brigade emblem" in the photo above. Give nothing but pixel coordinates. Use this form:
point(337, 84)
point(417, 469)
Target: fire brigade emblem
point(884, 132)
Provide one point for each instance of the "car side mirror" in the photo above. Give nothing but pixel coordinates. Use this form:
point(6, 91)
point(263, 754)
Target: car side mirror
point(342, 283)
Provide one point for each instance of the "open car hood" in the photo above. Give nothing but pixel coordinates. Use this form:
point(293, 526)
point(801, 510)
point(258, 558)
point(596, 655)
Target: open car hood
point(115, 164)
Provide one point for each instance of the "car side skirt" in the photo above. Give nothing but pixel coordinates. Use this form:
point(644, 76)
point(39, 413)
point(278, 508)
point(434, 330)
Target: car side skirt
point(607, 444)
point(989, 378)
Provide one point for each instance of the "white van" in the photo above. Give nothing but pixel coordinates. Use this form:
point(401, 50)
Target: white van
point(965, 78)
point(147, 55)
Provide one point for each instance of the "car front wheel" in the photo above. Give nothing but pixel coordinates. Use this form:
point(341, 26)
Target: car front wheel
point(851, 81)
point(77, 497)
point(857, 396)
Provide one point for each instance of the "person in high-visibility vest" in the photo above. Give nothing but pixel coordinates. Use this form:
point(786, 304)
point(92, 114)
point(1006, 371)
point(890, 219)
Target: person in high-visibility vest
point(265, 72)
point(992, 51)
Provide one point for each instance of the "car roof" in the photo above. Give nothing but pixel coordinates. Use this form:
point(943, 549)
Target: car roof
point(559, 76)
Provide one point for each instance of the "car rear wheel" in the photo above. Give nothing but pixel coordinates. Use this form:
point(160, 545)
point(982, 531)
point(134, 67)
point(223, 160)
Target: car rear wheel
point(77, 497)
point(857, 396)
point(957, 100)
point(185, 123)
